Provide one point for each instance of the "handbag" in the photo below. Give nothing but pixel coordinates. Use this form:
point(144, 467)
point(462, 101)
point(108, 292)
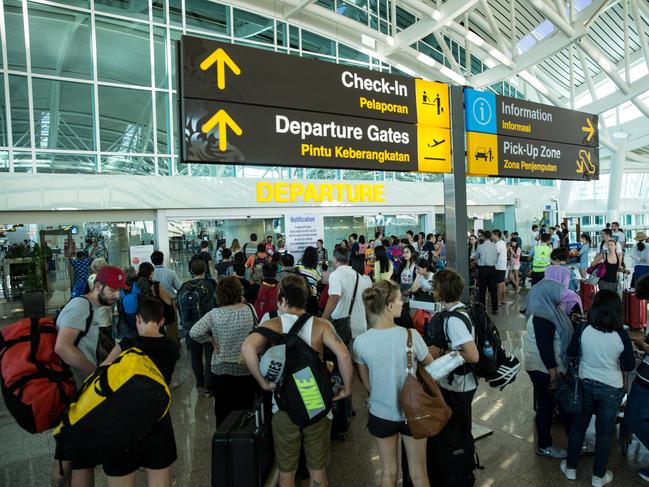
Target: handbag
point(421, 400)
point(568, 393)
point(343, 326)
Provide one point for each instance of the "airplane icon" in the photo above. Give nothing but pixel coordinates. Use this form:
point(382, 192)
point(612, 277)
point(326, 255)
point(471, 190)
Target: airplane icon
point(436, 143)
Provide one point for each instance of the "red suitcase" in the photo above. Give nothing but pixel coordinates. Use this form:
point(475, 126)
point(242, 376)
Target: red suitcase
point(587, 293)
point(635, 310)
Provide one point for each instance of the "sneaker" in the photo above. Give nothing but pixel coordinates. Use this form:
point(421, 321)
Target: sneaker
point(644, 474)
point(570, 473)
point(552, 452)
point(601, 481)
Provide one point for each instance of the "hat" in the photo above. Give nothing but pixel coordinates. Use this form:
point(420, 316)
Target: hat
point(640, 236)
point(112, 276)
point(272, 363)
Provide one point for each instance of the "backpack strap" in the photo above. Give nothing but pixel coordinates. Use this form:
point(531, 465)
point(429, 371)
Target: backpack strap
point(351, 305)
point(255, 322)
point(270, 335)
point(83, 333)
point(295, 329)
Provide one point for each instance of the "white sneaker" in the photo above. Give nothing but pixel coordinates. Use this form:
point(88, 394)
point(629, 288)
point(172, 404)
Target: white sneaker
point(552, 452)
point(601, 481)
point(570, 473)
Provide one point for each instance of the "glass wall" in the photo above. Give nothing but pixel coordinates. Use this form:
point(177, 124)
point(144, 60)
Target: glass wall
point(185, 236)
point(62, 242)
point(101, 93)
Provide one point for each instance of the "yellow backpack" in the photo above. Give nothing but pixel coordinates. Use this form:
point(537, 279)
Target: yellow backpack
point(114, 409)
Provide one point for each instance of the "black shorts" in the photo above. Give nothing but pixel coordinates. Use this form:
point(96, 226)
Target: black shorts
point(500, 276)
point(77, 463)
point(156, 451)
point(383, 428)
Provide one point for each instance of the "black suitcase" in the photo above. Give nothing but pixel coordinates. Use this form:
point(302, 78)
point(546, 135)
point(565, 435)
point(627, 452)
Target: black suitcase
point(242, 450)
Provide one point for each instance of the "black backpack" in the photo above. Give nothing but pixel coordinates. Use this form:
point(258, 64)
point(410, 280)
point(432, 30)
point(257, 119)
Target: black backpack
point(195, 298)
point(304, 391)
point(487, 339)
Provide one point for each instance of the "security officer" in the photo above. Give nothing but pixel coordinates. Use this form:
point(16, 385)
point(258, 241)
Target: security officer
point(541, 258)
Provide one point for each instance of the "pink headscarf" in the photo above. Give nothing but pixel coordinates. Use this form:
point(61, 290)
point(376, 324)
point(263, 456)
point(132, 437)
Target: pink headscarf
point(568, 298)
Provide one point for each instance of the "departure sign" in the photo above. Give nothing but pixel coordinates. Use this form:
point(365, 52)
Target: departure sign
point(517, 138)
point(248, 106)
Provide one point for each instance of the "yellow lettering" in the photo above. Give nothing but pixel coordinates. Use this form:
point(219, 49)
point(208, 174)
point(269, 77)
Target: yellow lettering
point(264, 192)
point(325, 192)
point(282, 193)
point(304, 149)
point(311, 194)
point(297, 189)
point(340, 191)
point(379, 193)
point(366, 192)
point(353, 193)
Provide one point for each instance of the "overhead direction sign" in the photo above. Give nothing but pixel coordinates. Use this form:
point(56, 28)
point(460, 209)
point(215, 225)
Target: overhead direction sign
point(221, 132)
point(517, 138)
point(258, 77)
point(245, 105)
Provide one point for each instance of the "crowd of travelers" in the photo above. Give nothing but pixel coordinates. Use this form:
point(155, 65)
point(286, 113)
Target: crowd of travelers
point(357, 310)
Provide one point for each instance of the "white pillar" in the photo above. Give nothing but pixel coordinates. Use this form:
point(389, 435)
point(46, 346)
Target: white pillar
point(618, 162)
point(162, 233)
point(565, 192)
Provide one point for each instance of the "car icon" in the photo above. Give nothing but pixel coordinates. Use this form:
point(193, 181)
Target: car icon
point(483, 153)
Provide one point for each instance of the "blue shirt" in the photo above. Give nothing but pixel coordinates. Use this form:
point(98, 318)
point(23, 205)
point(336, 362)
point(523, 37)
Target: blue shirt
point(81, 269)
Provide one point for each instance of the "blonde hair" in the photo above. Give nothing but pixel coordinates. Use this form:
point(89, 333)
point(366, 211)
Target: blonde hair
point(377, 298)
point(97, 264)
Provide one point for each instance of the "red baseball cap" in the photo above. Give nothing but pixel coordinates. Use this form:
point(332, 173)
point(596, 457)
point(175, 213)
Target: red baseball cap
point(113, 277)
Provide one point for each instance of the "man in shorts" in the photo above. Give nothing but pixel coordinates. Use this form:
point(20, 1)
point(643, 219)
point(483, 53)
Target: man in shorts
point(76, 344)
point(287, 436)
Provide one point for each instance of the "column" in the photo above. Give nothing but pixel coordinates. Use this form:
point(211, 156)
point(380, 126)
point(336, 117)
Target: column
point(618, 162)
point(455, 207)
point(162, 233)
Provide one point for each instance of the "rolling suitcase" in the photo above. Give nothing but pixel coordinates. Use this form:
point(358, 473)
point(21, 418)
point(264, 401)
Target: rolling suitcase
point(635, 310)
point(342, 418)
point(587, 293)
point(242, 450)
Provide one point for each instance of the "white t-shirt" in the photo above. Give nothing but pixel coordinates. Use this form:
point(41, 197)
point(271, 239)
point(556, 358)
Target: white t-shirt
point(555, 240)
point(501, 248)
point(341, 283)
point(384, 353)
point(620, 238)
point(458, 334)
point(603, 248)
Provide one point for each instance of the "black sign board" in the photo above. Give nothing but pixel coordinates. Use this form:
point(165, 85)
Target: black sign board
point(491, 155)
point(520, 118)
point(222, 132)
point(216, 71)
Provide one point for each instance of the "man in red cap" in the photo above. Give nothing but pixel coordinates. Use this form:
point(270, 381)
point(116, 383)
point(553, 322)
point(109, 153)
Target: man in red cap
point(76, 344)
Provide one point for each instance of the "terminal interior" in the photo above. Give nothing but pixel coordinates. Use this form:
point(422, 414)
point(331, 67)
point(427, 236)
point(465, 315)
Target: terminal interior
point(90, 150)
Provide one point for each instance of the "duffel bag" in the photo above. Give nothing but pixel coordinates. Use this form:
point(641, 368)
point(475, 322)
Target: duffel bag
point(116, 407)
point(36, 384)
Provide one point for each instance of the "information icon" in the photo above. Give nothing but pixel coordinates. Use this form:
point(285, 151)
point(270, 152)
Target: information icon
point(482, 111)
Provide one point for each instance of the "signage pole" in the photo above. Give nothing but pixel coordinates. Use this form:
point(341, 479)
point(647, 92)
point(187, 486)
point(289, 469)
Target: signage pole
point(455, 207)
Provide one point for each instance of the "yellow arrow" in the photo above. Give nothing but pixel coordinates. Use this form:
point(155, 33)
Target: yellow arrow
point(590, 130)
point(221, 58)
point(223, 120)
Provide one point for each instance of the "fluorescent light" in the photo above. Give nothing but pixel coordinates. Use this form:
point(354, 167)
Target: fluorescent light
point(427, 60)
point(404, 69)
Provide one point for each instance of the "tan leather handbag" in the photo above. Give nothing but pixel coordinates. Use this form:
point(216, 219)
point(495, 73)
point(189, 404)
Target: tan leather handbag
point(421, 400)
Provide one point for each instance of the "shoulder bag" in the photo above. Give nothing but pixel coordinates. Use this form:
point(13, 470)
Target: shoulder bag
point(568, 394)
point(421, 400)
point(343, 326)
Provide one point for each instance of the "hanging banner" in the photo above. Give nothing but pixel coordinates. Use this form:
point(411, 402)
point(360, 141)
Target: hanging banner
point(302, 231)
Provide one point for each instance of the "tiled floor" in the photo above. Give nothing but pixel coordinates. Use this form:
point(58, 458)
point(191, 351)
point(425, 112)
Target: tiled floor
point(507, 455)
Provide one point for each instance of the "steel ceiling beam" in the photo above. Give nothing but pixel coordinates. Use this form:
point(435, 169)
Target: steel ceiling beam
point(540, 51)
point(432, 23)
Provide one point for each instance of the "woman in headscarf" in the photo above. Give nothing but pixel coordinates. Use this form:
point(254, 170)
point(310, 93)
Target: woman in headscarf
point(549, 331)
point(570, 300)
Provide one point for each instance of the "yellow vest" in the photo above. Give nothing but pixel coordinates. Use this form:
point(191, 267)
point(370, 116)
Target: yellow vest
point(541, 258)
